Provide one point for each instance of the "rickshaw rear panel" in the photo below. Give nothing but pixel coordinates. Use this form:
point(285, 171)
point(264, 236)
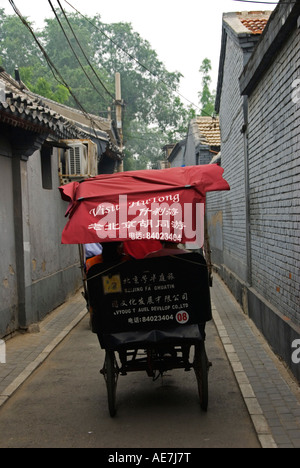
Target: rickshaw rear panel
point(148, 315)
point(153, 300)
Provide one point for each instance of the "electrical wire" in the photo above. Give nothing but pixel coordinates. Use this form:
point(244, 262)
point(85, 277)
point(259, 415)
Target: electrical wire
point(250, 1)
point(57, 76)
point(54, 69)
point(51, 65)
point(73, 50)
point(83, 52)
point(121, 48)
point(266, 3)
point(132, 57)
point(110, 39)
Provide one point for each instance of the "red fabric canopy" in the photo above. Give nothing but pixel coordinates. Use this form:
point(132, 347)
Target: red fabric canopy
point(157, 205)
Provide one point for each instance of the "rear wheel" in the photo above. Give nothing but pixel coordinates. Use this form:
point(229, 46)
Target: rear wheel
point(201, 365)
point(111, 373)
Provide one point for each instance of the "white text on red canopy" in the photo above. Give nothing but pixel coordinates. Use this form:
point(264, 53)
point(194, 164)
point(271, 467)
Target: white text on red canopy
point(164, 217)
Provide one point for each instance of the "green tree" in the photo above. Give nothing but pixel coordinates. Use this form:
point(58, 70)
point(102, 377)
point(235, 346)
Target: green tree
point(153, 114)
point(68, 44)
point(206, 97)
point(43, 87)
point(16, 45)
point(87, 54)
point(18, 49)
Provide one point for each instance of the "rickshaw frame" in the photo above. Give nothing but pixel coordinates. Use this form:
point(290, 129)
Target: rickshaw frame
point(139, 351)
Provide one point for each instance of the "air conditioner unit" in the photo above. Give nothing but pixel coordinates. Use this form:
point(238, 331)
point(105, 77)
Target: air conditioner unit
point(79, 161)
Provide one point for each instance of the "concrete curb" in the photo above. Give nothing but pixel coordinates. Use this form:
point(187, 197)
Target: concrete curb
point(259, 421)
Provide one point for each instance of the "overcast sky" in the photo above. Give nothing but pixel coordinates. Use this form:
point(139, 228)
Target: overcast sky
point(182, 33)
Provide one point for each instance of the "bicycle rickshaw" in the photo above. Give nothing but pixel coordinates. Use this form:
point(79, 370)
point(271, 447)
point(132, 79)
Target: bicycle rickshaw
point(150, 303)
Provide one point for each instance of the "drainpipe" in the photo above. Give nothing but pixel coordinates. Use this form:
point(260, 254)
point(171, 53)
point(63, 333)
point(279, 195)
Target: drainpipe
point(245, 131)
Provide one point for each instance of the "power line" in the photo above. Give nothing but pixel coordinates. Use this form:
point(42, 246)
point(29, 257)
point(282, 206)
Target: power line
point(82, 50)
point(73, 50)
point(110, 39)
point(265, 3)
point(131, 56)
point(53, 69)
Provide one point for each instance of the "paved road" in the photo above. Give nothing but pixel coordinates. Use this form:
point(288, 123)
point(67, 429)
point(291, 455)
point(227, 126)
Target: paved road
point(64, 404)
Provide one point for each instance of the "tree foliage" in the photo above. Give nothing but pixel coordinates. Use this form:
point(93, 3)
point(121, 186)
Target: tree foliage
point(88, 54)
point(16, 45)
point(206, 97)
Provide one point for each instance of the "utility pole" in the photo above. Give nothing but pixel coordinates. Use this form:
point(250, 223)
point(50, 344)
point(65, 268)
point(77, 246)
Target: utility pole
point(119, 105)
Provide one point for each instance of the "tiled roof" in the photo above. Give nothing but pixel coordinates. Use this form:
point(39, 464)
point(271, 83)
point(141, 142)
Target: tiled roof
point(22, 109)
point(209, 130)
point(255, 25)
point(245, 30)
point(92, 125)
point(247, 22)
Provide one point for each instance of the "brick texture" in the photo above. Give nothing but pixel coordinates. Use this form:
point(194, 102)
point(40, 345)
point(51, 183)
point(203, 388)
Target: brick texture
point(274, 180)
point(232, 156)
point(274, 150)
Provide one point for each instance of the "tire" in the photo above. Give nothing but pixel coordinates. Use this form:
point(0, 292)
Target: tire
point(111, 373)
point(200, 365)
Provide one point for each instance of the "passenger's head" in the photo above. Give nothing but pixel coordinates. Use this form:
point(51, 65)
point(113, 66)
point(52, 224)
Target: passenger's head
point(111, 251)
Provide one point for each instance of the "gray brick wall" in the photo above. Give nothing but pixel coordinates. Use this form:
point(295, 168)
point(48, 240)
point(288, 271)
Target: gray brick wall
point(263, 274)
point(274, 179)
point(231, 204)
point(274, 169)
